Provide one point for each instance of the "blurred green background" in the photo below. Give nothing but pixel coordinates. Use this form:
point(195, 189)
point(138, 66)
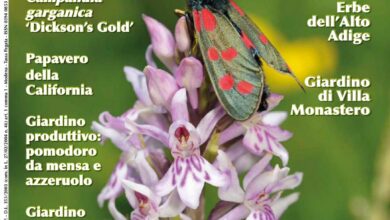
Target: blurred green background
point(338, 155)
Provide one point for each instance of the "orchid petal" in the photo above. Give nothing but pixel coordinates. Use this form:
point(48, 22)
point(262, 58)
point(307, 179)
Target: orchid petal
point(163, 41)
point(179, 110)
point(253, 139)
point(189, 190)
point(281, 173)
point(289, 182)
point(274, 118)
point(154, 117)
point(138, 80)
point(162, 86)
point(280, 205)
point(279, 134)
point(103, 196)
point(182, 36)
point(266, 214)
point(232, 191)
point(138, 110)
point(208, 123)
point(194, 98)
point(166, 184)
point(129, 157)
point(259, 138)
point(130, 186)
point(261, 182)
point(146, 172)
point(137, 215)
point(233, 131)
point(236, 150)
point(240, 212)
point(189, 176)
point(256, 170)
point(117, 138)
point(149, 130)
point(212, 175)
point(113, 189)
point(190, 75)
point(149, 56)
point(117, 123)
point(144, 195)
point(245, 162)
point(130, 196)
point(114, 211)
point(273, 100)
point(172, 206)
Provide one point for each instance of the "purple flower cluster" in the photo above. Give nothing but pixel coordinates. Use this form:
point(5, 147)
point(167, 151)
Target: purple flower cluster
point(177, 137)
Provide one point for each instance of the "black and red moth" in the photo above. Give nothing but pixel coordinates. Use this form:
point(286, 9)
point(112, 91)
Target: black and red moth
point(233, 48)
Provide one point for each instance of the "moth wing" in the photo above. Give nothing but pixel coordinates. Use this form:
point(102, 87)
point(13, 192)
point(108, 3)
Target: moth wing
point(265, 48)
point(236, 77)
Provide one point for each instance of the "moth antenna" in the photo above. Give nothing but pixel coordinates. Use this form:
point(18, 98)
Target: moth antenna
point(298, 82)
point(289, 72)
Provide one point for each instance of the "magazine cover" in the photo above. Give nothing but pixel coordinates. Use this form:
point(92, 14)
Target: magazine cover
point(194, 109)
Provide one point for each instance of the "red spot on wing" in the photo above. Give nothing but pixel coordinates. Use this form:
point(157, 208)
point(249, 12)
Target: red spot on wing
point(212, 53)
point(229, 54)
point(226, 82)
point(263, 39)
point(245, 88)
point(195, 14)
point(238, 9)
point(209, 20)
point(248, 43)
